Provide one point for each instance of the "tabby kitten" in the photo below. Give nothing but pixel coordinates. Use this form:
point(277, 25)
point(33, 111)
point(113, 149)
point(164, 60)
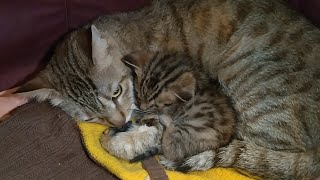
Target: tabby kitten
point(188, 109)
point(265, 56)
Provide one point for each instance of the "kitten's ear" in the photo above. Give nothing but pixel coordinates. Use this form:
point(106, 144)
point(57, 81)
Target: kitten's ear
point(99, 48)
point(37, 88)
point(137, 60)
point(184, 87)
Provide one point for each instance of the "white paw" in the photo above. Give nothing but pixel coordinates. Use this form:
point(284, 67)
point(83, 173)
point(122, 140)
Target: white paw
point(201, 162)
point(135, 141)
point(167, 163)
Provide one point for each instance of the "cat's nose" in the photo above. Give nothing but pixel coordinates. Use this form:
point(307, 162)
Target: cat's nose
point(117, 119)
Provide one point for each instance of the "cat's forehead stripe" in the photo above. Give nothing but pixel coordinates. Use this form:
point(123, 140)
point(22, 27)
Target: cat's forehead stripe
point(80, 88)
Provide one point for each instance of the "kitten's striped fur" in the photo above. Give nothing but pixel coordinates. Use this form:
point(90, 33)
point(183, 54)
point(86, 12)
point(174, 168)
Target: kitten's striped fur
point(266, 58)
point(193, 113)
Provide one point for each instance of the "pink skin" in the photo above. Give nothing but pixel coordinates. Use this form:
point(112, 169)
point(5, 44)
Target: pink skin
point(9, 101)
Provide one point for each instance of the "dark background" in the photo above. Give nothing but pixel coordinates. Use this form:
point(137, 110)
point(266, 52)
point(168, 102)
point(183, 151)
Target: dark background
point(29, 28)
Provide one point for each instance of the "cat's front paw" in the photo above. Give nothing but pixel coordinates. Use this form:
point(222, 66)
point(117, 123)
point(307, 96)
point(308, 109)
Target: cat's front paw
point(131, 143)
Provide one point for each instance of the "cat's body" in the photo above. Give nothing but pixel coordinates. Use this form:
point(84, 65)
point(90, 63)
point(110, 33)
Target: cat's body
point(266, 58)
point(188, 109)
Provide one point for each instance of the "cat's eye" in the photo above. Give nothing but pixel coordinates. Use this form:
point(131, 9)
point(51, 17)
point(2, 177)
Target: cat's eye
point(117, 92)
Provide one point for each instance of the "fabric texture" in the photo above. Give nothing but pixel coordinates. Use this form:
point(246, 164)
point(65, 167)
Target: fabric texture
point(124, 170)
point(42, 142)
point(30, 28)
point(309, 8)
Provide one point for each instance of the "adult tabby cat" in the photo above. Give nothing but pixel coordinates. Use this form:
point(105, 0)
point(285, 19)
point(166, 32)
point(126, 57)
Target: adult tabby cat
point(185, 110)
point(265, 56)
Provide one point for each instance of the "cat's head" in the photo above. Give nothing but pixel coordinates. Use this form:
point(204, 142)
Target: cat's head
point(86, 78)
point(160, 89)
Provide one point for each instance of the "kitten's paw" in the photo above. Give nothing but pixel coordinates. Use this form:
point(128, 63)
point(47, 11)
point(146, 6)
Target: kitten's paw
point(200, 162)
point(149, 120)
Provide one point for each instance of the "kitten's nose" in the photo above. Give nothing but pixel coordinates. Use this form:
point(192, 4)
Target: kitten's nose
point(143, 106)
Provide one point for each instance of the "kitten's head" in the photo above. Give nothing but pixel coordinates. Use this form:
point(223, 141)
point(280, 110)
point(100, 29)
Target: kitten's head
point(86, 78)
point(161, 83)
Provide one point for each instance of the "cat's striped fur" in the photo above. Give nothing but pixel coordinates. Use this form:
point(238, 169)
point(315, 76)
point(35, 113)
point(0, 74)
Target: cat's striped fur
point(189, 109)
point(266, 58)
point(81, 79)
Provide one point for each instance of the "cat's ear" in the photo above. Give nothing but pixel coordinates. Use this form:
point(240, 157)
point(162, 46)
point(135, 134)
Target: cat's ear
point(184, 87)
point(37, 88)
point(137, 60)
point(99, 48)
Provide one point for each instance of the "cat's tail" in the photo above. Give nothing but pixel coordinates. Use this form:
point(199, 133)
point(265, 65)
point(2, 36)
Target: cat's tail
point(256, 160)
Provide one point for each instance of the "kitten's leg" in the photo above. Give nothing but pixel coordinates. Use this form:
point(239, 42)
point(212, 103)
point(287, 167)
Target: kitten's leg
point(180, 140)
point(135, 141)
point(174, 146)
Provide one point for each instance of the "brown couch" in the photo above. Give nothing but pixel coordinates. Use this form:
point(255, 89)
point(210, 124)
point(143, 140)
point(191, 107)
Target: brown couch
point(29, 28)
point(38, 141)
point(41, 142)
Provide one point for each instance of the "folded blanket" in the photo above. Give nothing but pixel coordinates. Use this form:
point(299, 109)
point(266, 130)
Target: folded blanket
point(124, 170)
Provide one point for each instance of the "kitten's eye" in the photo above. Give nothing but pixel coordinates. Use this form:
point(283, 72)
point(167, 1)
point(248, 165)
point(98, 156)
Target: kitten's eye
point(117, 92)
point(167, 104)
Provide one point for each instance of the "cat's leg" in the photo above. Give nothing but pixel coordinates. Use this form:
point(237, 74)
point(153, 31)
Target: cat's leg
point(131, 143)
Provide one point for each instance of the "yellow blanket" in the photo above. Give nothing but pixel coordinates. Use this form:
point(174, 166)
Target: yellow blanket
point(124, 170)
